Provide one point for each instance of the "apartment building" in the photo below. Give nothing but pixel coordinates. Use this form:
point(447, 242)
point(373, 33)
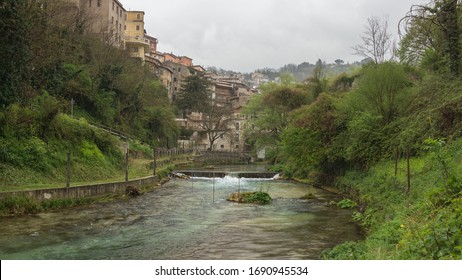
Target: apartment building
point(107, 18)
point(135, 40)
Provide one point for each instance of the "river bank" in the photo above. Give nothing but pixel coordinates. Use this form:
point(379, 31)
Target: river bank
point(416, 221)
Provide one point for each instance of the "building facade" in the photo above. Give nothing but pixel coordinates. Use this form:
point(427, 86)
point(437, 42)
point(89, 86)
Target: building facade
point(107, 18)
point(136, 42)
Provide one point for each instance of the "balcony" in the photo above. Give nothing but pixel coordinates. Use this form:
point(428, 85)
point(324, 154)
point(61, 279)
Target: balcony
point(139, 40)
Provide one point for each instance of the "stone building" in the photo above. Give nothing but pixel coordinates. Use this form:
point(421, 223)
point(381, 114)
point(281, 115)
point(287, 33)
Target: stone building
point(107, 19)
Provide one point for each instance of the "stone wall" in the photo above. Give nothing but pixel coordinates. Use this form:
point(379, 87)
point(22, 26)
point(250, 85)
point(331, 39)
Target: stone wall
point(83, 191)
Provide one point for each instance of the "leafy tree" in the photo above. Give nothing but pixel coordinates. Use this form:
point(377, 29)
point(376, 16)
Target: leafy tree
point(158, 117)
point(382, 90)
point(312, 140)
point(433, 33)
point(270, 112)
point(194, 95)
point(318, 82)
point(15, 50)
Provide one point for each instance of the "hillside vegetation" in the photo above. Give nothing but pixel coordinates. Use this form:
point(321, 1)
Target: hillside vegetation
point(48, 58)
point(352, 131)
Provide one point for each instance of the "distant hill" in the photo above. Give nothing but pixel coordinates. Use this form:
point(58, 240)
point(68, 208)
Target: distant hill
point(301, 71)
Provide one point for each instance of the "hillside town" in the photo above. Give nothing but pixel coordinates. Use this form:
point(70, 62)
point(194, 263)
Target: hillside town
point(126, 29)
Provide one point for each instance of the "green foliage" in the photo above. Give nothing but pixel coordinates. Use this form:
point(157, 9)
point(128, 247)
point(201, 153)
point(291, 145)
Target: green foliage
point(302, 148)
point(140, 150)
point(366, 137)
point(257, 197)
point(19, 205)
point(28, 152)
point(346, 203)
point(433, 37)
point(425, 224)
point(15, 49)
point(382, 91)
point(345, 251)
point(270, 113)
point(13, 205)
point(65, 203)
point(251, 197)
point(194, 95)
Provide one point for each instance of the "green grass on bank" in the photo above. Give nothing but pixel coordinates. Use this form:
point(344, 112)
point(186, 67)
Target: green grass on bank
point(17, 179)
point(426, 224)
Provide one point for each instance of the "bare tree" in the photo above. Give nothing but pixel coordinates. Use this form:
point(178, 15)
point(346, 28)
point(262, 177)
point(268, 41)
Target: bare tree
point(376, 40)
point(216, 123)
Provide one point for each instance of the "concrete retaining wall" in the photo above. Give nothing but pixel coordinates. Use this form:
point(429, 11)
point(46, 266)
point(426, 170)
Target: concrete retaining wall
point(83, 191)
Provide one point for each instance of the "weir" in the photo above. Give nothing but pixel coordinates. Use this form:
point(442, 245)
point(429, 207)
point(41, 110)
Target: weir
point(222, 174)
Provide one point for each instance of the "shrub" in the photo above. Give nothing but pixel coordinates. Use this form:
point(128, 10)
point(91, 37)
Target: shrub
point(19, 205)
point(251, 197)
point(346, 203)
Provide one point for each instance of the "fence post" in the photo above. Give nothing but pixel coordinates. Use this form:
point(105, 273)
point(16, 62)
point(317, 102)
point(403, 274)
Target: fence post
point(68, 170)
point(155, 161)
point(126, 164)
point(408, 170)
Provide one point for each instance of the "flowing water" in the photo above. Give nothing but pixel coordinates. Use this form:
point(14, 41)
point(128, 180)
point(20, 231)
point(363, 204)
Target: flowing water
point(186, 219)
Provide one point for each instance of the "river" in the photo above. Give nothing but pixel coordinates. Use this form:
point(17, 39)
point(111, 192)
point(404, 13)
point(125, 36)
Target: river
point(186, 219)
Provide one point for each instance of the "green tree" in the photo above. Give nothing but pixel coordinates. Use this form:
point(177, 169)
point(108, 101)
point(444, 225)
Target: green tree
point(433, 34)
point(382, 90)
point(15, 49)
point(270, 113)
point(194, 95)
point(157, 115)
point(312, 141)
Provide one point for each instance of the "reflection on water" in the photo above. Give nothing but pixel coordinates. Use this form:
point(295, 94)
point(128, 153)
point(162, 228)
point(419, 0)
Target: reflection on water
point(185, 219)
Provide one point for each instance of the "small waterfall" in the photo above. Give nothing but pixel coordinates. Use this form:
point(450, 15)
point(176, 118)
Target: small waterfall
point(232, 179)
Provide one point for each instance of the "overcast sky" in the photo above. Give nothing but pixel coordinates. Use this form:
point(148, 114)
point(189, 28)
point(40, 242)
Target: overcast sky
point(244, 35)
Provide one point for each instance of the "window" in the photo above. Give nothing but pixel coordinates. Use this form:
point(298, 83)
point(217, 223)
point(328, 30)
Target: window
point(138, 16)
point(117, 24)
point(125, 27)
point(135, 49)
point(117, 10)
point(112, 20)
point(237, 126)
point(113, 5)
point(98, 3)
point(137, 28)
point(89, 2)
